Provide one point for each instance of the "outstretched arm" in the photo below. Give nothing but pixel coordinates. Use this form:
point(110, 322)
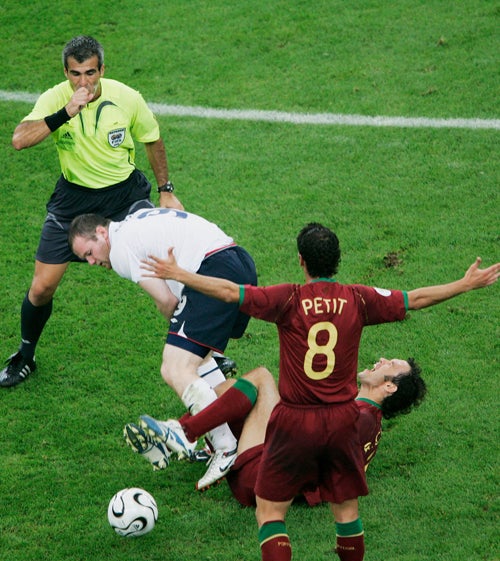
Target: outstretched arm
point(473, 278)
point(222, 289)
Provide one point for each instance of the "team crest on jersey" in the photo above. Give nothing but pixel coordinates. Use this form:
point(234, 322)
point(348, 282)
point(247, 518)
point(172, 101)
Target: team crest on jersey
point(116, 137)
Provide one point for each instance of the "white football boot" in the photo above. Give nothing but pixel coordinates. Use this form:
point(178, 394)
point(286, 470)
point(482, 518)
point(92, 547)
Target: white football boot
point(218, 466)
point(170, 434)
point(156, 453)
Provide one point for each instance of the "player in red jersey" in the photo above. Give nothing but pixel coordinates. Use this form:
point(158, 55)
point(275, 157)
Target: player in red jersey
point(390, 388)
point(312, 439)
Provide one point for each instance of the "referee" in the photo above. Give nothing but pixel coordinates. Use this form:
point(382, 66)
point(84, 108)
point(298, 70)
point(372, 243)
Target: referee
point(94, 122)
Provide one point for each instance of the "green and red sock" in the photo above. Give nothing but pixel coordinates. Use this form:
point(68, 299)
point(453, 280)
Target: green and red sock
point(350, 541)
point(274, 541)
point(233, 405)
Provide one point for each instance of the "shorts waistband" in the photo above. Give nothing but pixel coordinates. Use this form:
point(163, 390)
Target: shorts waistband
point(315, 405)
point(214, 251)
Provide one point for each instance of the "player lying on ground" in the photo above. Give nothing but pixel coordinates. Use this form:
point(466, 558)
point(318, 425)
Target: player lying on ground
point(390, 388)
point(320, 324)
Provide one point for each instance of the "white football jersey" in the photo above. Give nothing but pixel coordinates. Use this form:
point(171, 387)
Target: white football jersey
point(152, 231)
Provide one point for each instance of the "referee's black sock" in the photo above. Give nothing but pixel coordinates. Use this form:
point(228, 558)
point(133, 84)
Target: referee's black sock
point(33, 320)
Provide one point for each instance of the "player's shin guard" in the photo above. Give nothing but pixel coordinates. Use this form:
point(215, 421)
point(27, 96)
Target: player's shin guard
point(274, 541)
point(350, 541)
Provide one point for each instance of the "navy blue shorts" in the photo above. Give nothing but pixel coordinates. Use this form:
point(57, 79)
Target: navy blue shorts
point(70, 200)
point(201, 323)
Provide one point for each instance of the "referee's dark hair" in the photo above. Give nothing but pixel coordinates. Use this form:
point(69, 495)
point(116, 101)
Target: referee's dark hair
point(82, 48)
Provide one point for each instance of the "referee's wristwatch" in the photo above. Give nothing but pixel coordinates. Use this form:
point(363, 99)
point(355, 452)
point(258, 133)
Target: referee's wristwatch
point(167, 188)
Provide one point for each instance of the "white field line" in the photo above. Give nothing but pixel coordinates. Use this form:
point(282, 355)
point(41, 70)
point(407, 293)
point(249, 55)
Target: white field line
point(295, 118)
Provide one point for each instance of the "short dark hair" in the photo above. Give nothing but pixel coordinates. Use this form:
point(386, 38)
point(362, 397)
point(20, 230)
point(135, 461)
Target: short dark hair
point(82, 48)
point(320, 249)
point(85, 226)
point(410, 393)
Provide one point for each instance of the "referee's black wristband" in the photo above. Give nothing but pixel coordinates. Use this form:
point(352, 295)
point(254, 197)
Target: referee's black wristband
point(57, 119)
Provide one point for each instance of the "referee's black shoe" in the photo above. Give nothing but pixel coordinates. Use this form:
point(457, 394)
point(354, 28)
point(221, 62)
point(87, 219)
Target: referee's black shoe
point(17, 370)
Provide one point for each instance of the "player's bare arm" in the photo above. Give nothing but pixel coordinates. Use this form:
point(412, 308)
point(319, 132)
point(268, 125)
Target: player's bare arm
point(168, 268)
point(165, 300)
point(474, 278)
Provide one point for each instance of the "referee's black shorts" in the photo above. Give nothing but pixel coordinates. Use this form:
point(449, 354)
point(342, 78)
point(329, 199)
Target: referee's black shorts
point(70, 200)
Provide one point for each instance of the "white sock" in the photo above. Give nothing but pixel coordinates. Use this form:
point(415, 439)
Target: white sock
point(196, 397)
point(221, 438)
point(211, 373)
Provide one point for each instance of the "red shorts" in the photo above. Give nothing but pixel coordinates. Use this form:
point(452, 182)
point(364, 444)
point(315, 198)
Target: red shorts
point(242, 476)
point(310, 447)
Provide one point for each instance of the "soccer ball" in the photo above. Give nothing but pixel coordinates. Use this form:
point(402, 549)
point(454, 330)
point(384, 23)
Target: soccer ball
point(132, 512)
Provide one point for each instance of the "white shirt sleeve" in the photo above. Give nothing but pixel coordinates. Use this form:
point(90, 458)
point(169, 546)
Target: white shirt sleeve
point(153, 232)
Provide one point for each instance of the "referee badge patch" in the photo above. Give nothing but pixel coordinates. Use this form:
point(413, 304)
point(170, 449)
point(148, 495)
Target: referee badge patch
point(116, 137)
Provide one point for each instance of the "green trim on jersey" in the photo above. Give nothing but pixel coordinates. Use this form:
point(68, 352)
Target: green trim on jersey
point(366, 400)
point(405, 296)
point(96, 147)
point(323, 279)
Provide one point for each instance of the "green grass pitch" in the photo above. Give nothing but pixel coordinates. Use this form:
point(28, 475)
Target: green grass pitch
point(412, 205)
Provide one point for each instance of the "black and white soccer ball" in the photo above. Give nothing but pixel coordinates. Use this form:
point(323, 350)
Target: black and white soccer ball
point(132, 512)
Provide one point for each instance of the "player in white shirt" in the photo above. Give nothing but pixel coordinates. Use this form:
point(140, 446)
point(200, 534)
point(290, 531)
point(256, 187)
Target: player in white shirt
point(198, 324)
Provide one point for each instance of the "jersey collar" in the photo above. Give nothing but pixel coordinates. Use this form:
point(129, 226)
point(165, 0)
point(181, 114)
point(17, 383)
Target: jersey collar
point(371, 402)
point(323, 279)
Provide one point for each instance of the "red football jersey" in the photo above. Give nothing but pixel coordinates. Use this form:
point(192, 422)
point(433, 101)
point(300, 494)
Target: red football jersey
point(320, 325)
point(369, 428)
